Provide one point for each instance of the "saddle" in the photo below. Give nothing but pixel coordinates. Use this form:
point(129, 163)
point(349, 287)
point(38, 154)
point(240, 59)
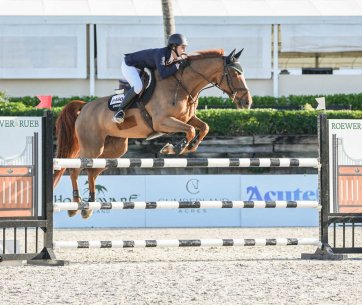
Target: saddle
point(149, 84)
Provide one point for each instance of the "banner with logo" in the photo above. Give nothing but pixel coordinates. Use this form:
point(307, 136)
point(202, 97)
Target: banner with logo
point(190, 188)
point(345, 166)
point(20, 165)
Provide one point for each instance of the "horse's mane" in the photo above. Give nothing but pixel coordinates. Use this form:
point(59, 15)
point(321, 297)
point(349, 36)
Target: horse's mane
point(212, 53)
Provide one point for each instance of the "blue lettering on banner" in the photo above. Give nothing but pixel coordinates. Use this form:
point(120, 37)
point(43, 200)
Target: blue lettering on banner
point(254, 194)
point(132, 197)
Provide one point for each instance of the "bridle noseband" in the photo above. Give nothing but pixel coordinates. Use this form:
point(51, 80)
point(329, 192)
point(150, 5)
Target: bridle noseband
point(234, 90)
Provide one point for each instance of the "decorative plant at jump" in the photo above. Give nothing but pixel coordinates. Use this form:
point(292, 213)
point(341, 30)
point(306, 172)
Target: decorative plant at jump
point(99, 188)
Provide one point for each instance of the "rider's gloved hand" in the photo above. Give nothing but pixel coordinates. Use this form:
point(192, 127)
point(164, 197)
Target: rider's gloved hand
point(183, 64)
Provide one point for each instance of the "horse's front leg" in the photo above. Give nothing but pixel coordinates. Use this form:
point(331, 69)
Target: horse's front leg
point(174, 125)
point(203, 129)
point(92, 175)
point(74, 174)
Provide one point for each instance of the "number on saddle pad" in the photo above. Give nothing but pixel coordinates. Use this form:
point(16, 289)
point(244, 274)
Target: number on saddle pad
point(115, 101)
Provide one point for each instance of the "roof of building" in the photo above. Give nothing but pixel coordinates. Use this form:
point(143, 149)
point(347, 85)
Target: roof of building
point(253, 11)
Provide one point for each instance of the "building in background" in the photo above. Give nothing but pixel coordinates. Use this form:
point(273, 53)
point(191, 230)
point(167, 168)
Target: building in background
point(67, 48)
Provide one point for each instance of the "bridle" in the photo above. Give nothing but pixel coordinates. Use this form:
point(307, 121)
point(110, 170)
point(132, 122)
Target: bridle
point(226, 75)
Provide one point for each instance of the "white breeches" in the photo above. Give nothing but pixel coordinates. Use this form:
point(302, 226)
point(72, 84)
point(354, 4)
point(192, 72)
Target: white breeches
point(130, 73)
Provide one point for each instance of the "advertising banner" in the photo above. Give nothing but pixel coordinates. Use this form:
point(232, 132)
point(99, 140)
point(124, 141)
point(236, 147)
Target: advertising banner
point(20, 165)
point(191, 188)
point(345, 166)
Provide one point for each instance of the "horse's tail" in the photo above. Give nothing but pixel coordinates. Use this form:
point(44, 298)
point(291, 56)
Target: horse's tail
point(68, 146)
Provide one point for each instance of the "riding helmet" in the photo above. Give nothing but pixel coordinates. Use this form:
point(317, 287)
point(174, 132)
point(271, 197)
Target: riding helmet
point(177, 39)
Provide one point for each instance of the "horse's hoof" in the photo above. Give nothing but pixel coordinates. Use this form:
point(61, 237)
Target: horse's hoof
point(86, 213)
point(168, 149)
point(72, 213)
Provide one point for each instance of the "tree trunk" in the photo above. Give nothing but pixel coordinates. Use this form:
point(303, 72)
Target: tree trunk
point(168, 19)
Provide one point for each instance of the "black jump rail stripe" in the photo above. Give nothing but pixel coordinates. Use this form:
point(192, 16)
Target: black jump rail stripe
point(292, 241)
point(189, 243)
point(151, 205)
point(86, 163)
point(111, 163)
point(254, 162)
point(271, 242)
point(189, 204)
point(234, 162)
point(227, 204)
point(151, 243)
point(128, 244)
point(249, 242)
point(106, 244)
point(106, 205)
point(294, 162)
point(82, 244)
point(128, 205)
point(136, 162)
point(292, 204)
point(158, 162)
point(275, 162)
point(270, 204)
point(199, 162)
point(248, 204)
point(228, 242)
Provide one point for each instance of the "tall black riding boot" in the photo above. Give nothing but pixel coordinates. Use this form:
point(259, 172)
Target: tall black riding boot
point(120, 114)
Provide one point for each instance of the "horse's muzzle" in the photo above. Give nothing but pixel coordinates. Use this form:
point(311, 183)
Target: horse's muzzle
point(244, 103)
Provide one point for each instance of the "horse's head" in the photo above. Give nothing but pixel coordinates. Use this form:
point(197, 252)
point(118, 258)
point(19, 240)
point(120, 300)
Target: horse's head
point(233, 81)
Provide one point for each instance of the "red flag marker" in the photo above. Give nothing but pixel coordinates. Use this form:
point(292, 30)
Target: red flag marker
point(45, 101)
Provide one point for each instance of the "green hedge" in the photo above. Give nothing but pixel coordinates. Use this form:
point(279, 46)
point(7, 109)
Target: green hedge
point(231, 122)
point(227, 122)
point(344, 101)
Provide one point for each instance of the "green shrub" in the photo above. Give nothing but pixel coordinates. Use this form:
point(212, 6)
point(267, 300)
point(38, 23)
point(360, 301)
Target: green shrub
point(227, 122)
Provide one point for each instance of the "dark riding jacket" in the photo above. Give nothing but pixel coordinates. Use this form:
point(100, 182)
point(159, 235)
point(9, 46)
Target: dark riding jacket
point(159, 59)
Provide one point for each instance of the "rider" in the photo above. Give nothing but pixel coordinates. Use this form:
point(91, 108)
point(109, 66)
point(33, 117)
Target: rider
point(161, 59)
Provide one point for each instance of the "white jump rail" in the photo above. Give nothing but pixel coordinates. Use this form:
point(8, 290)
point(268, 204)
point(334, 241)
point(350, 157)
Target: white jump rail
point(59, 164)
point(145, 205)
point(162, 243)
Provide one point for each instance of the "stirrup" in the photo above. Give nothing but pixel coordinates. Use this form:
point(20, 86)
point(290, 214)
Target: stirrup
point(118, 117)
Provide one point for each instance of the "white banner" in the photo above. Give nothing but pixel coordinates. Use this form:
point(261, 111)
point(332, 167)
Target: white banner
point(43, 51)
point(321, 38)
point(113, 41)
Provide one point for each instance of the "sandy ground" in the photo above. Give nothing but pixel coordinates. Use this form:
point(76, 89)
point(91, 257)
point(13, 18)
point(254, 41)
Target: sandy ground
point(216, 275)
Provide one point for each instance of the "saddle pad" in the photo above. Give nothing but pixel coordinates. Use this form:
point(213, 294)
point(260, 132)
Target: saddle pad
point(116, 100)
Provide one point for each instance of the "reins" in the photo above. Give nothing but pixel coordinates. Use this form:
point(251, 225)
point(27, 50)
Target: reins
point(233, 90)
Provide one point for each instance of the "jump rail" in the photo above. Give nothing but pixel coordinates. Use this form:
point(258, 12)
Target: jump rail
point(145, 205)
point(184, 163)
point(151, 243)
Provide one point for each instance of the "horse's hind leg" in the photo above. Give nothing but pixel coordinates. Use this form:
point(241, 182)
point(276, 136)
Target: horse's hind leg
point(113, 148)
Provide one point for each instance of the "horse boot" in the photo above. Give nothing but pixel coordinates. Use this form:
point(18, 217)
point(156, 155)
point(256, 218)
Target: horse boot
point(76, 198)
point(86, 213)
point(120, 114)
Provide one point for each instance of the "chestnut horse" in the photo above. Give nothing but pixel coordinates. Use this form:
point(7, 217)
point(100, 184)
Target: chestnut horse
point(86, 130)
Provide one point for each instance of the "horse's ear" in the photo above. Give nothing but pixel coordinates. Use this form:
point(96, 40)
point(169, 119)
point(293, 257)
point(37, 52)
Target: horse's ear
point(230, 57)
point(237, 55)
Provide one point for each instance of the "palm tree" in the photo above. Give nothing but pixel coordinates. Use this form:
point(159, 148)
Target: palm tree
point(168, 19)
